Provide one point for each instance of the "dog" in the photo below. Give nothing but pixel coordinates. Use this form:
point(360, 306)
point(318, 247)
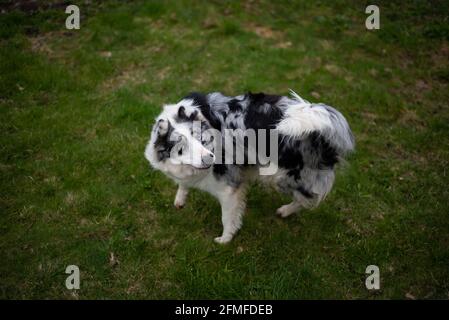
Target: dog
point(188, 144)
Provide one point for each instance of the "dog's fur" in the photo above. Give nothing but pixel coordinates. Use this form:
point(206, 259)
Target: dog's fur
point(312, 139)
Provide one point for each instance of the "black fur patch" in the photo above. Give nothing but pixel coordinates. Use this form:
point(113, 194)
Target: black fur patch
point(295, 173)
point(235, 106)
point(290, 156)
point(220, 169)
point(314, 148)
point(312, 151)
point(200, 100)
point(326, 154)
point(304, 192)
point(163, 144)
point(183, 117)
point(262, 112)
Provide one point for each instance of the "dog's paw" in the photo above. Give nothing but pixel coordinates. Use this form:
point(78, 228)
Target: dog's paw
point(223, 239)
point(179, 204)
point(284, 211)
point(180, 199)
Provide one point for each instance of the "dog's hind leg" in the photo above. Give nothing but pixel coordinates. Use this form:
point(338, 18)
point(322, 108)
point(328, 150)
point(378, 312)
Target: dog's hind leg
point(299, 201)
point(181, 197)
point(315, 185)
point(288, 209)
point(232, 206)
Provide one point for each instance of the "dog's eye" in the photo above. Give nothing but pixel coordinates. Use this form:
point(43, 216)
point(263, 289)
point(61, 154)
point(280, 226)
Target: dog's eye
point(208, 140)
point(180, 151)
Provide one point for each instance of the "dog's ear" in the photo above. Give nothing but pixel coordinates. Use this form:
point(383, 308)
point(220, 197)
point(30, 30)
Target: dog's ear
point(182, 115)
point(162, 127)
point(162, 144)
point(201, 101)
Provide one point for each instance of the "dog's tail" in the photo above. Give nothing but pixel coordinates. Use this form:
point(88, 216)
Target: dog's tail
point(303, 118)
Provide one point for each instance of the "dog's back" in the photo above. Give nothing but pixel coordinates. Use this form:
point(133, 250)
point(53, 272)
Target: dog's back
point(312, 138)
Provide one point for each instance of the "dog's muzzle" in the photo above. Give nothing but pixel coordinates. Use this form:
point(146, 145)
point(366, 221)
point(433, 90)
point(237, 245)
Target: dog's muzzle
point(208, 159)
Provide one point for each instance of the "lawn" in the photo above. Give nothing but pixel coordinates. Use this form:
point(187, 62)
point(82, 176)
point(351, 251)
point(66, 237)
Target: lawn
point(77, 108)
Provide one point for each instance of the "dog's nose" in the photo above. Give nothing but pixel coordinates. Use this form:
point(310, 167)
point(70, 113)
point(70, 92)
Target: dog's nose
point(208, 158)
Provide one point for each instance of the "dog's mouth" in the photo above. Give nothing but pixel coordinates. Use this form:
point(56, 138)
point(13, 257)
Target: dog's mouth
point(195, 167)
point(201, 168)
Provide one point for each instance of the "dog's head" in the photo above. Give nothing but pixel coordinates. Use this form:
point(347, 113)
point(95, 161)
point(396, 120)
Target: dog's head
point(180, 144)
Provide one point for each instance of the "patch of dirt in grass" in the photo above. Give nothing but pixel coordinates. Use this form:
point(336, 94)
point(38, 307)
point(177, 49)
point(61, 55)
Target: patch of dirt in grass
point(147, 222)
point(312, 61)
point(326, 44)
point(71, 198)
point(41, 44)
point(209, 23)
point(333, 69)
point(315, 94)
point(440, 63)
point(400, 153)
point(421, 85)
point(163, 73)
point(135, 286)
point(358, 228)
point(148, 21)
point(283, 45)
point(370, 117)
point(441, 56)
point(305, 66)
point(405, 60)
point(105, 54)
point(377, 215)
point(101, 233)
point(409, 117)
point(88, 135)
point(264, 31)
point(131, 75)
point(201, 80)
point(31, 6)
point(416, 92)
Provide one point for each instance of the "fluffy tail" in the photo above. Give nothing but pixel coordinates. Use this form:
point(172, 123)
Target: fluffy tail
point(303, 117)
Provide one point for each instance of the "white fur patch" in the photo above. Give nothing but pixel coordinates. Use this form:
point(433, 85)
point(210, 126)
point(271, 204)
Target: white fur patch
point(304, 118)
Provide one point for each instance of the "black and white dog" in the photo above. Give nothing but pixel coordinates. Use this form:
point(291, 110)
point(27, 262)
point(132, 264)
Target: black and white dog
point(190, 144)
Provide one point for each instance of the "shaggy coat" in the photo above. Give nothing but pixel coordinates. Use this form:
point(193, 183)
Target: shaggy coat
point(311, 140)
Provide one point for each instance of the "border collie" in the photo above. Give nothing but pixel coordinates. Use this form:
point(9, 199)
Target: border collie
point(189, 143)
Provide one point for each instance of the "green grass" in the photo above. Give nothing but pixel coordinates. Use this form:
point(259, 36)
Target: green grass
point(76, 110)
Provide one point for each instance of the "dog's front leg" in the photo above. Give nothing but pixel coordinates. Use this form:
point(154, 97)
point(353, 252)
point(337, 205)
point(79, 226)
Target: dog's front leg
point(232, 209)
point(181, 197)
